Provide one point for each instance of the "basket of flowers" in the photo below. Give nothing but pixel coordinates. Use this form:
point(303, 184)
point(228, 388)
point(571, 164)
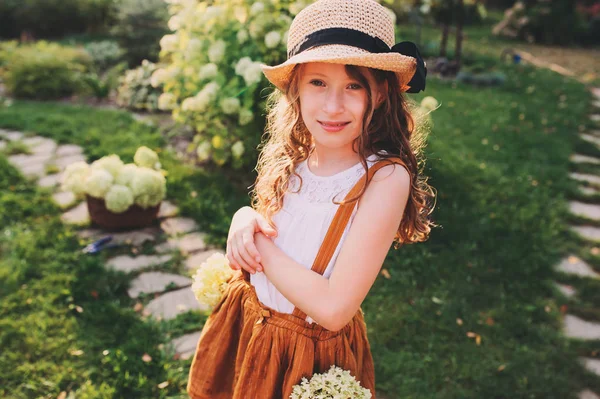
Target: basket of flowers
point(119, 196)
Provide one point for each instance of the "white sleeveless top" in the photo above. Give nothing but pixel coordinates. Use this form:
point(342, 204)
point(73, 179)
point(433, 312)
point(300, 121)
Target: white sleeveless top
point(303, 221)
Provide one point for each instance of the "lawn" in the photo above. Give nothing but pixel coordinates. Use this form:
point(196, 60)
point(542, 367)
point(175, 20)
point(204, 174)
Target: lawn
point(470, 314)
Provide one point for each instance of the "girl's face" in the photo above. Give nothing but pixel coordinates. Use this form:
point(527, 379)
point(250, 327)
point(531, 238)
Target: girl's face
point(332, 104)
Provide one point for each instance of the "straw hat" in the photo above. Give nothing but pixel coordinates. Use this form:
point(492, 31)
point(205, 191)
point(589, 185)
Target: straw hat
point(355, 32)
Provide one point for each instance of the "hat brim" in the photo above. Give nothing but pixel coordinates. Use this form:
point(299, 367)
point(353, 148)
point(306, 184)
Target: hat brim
point(404, 66)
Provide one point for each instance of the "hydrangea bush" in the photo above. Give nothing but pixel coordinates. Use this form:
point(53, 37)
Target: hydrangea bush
point(336, 383)
point(211, 74)
point(120, 185)
point(135, 90)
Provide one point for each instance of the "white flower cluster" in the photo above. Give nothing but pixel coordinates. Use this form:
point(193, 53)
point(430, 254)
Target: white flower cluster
point(249, 70)
point(336, 383)
point(200, 101)
point(210, 280)
point(429, 103)
point(141, 183)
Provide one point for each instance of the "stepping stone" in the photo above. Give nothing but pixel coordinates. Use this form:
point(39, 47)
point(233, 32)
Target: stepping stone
point(50, 180)
point(590, 138)
point(2, 145)
point(68, 149)
point(178, 225)
point(566, 290)
point(575, 327)
point(11, 135)
point(194, 261)
point(64, 199)
point(575, 265)
point(588, 211)
point(591, 364)
point(592, 179)
point(596, 92)
point(37, 170)
point(152, 282)
point(595, 118)
point(589, 233)
point(168, 209)
point(63, 162)
point(126, 263)
point(185, 346)
point(588, 190)
point(578, 158)
point(134, 237)
point(587, 394)
point(77, 216)
point(596, 104)
point(43, 146)
point(173, 303)
point(186, 245)
point(24, 160)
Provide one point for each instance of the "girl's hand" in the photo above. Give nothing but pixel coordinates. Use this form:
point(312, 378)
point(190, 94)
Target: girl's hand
point(241, 249)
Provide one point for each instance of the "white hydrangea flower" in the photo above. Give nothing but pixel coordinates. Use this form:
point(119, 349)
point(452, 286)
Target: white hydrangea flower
point(210, 279)
point(257, 8)
point(336, 383)
point(74, 178)
point(148, 187)
point(242, 36)
point(429, 103)
point(211, 89)
point(98, 182)
point(118, 198)
point(169, 43)
point(126, 174)
point(256, 28)
point(253, 74)
point(194, 47)
point(216, 52)
point(237, 149)
point(272, 39)
point(242, 64)
point(158, 77)
point(203, 151)
point(147, 158)
point(110, 163)
point(296, 7)
point(230, 105)
point(167, 101)
point(246, 116)
point(208, 71)
point(175, 22)
point(212, 12)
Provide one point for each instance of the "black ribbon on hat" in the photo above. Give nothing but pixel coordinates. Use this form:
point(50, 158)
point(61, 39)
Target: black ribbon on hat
point(352, 37)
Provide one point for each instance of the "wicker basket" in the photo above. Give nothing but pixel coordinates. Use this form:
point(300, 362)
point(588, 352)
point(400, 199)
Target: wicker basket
point(134, 217)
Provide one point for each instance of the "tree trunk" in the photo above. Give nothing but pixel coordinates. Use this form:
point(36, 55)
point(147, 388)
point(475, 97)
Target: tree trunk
point(444, 43)
point(460, 17)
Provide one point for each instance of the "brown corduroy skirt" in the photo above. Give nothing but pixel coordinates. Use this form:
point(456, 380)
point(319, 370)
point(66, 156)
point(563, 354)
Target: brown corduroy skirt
point(250, 351)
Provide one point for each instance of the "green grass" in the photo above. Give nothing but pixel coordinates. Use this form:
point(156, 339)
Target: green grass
point(498, 158)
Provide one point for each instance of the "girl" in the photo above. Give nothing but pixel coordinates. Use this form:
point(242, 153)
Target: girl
point(307, 258)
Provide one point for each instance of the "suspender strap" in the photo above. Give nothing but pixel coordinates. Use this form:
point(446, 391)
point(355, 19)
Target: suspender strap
point(340, 220)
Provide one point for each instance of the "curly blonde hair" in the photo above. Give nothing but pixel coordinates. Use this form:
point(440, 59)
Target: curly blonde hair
point(395, 126)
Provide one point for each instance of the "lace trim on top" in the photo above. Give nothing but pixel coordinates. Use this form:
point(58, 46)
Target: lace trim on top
point(326, 189)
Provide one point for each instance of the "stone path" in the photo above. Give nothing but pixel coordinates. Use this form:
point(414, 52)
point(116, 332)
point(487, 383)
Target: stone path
point(170, 293)
point(575, 327)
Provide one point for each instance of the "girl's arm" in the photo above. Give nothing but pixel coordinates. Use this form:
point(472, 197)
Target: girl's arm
point(363, 252)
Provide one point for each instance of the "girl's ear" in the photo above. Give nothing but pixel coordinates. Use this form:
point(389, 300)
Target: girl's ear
point(381, 93)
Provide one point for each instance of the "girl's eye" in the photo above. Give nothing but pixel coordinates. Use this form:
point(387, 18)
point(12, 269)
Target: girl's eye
point(318, 83)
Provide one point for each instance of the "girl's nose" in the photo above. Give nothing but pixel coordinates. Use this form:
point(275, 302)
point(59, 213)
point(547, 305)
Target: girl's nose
point(334, 102)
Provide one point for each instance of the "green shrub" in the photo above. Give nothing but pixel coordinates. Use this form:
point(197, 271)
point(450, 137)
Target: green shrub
point(45, 71)
point(104, 54)
point(54, 18)
point(139, 26)
point(135, 91)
